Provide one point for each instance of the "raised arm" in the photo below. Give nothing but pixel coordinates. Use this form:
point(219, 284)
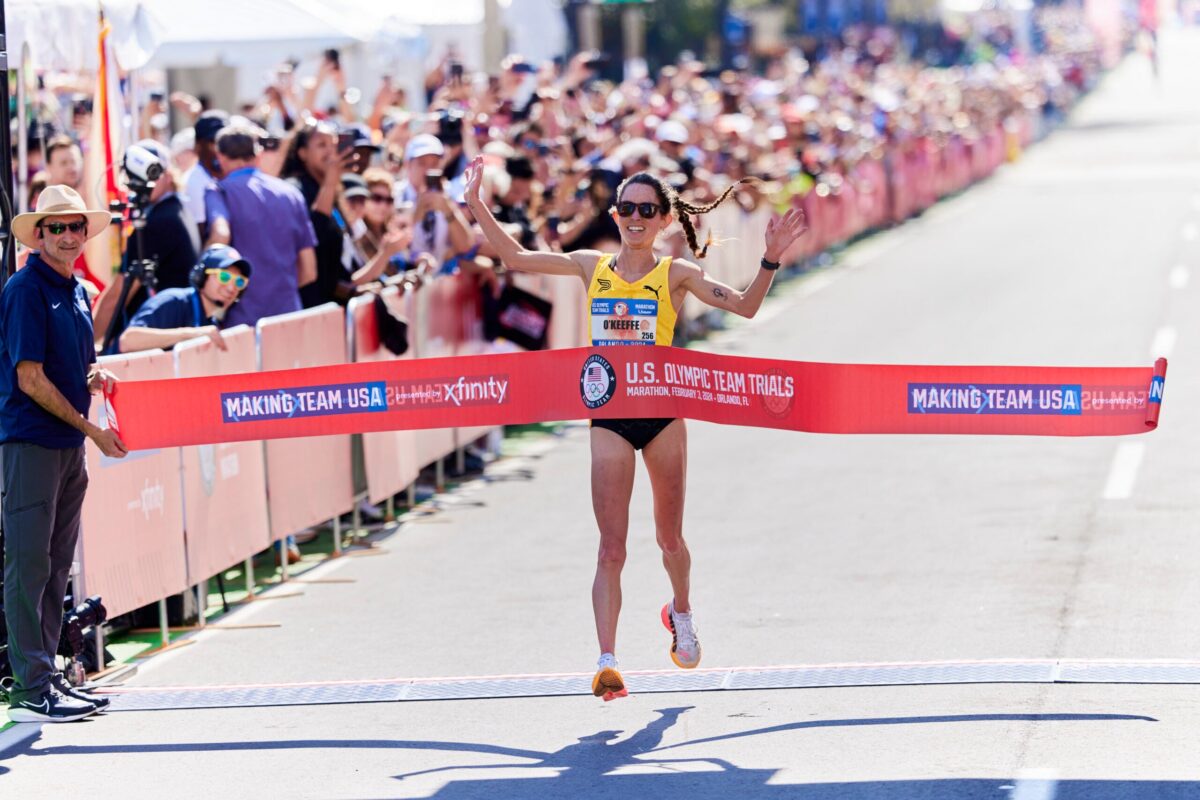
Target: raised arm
point(781, 233)
point(580, 263)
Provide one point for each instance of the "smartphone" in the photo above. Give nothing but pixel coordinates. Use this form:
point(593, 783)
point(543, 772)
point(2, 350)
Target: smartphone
point(524, 67)
point(334, 57)
point(345, 142)
point(433, 180)
point(456, 71)
point(269, 142)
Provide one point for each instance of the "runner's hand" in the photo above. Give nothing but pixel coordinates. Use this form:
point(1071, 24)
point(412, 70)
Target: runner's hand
point(782, 232)
point(472, 195)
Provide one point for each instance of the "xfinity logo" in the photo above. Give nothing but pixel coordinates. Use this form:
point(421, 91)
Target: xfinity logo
point(467, 391)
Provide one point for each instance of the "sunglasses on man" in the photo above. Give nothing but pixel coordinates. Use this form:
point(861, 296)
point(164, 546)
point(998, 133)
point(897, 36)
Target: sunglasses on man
point(646, 210)
point(59, 228)
point(224, 277)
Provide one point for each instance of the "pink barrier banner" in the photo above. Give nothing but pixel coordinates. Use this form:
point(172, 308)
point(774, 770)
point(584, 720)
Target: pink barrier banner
point(308, 480)
point(619, 382)
point(132, 538)
point(390, 457)
point(437, 336)
point(472, 343)
point(223, 484)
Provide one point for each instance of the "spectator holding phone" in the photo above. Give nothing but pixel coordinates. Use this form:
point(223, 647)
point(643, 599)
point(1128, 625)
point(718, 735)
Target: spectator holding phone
point(314, 164)
point(441, 230)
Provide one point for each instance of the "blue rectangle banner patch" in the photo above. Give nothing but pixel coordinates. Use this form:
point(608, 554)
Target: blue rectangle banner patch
point(995, 398)
point(304, 401)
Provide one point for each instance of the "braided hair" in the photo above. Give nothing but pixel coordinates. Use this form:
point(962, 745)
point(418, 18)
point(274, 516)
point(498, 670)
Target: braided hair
point(670, 202)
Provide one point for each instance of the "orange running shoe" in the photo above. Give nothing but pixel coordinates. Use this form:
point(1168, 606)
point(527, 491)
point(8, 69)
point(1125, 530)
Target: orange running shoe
point(685, 647)
point(608, 683)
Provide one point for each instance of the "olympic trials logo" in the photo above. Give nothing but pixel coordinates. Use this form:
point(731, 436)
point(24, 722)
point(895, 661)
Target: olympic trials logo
point(597, 382)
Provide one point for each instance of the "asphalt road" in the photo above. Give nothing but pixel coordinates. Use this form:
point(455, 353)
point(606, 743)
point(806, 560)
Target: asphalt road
point(807, 549)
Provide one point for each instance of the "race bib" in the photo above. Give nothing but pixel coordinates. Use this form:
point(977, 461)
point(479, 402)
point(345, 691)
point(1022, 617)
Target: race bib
point(623, 321)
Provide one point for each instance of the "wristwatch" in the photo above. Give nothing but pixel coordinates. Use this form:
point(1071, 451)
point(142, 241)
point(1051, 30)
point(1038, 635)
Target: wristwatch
point(771, 265)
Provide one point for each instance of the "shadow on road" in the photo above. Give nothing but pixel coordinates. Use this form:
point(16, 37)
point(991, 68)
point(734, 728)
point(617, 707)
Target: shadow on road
point(602, 764)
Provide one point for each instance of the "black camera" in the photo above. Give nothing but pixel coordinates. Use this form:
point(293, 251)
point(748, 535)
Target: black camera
point(450, 128)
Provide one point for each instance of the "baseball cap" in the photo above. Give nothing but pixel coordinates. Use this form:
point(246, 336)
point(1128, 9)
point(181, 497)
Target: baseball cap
point(362, 136)
point(222, 256)
point(424, 144)
point(209, 124)
point(353, 185)
point(672, 130)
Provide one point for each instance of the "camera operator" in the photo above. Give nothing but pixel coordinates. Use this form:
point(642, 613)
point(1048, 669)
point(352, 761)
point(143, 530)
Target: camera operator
point(176, 315)
point(441, 230)
point(47, 376)
point(169, 238)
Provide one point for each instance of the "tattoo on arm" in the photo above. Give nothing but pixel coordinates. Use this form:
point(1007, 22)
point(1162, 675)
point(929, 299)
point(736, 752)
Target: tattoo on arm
point(721, 293)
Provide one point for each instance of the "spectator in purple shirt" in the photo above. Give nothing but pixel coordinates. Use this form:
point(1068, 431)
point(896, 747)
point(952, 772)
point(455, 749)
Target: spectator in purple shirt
point(267, 220)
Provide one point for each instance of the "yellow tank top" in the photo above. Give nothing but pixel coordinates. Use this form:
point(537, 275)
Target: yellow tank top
point(626, 313)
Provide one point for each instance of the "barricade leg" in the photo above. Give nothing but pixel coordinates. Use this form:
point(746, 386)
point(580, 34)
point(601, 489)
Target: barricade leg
point(439, 471)
point(164, 629)
point(249, 569)
point(460, 460)
point(100, 648)
point(337, 535)
point(390, 508)
point(355, 522)
point(283, 559)
point(412, 495)
point(202, 600)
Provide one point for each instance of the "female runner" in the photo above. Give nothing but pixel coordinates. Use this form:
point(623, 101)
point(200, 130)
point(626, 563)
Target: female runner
point(645, 206)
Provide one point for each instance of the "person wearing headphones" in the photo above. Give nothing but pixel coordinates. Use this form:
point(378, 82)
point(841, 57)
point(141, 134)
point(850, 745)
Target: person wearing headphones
point(176, 315)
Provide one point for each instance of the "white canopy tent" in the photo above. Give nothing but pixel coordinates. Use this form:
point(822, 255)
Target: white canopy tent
point(63, 34)
point(244, 32)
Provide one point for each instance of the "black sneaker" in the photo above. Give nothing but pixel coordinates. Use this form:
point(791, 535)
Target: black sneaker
point(60, 682)
point(50, 706)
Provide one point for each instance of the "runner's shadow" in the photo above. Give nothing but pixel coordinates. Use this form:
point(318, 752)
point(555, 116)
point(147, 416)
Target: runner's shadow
point(595, 755)
point(632, 767)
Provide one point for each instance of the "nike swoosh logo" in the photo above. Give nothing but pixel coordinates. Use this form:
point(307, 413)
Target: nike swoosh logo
point(43, 706)
point(55, 305)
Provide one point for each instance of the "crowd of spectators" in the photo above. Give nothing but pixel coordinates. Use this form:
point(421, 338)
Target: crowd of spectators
point(354, 198)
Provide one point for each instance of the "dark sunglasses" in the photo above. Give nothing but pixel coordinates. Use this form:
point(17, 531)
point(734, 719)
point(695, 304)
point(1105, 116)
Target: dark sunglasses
point(224, 276)
point(59, 228)
point(381, 198)
point(646, 210)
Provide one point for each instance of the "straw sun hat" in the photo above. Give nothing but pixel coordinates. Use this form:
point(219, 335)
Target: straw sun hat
point(57, 201)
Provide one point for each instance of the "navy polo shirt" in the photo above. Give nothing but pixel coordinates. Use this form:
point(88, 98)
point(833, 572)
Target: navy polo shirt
point(44, 317)
point(170, 308)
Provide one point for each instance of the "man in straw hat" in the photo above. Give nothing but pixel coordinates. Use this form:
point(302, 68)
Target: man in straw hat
point(47, 377)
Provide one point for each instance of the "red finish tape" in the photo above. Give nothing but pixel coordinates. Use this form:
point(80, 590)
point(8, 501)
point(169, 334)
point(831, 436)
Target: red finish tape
point(615, 382)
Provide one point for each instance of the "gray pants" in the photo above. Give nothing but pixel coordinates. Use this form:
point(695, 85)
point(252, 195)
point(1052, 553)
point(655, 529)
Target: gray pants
point(40, 509)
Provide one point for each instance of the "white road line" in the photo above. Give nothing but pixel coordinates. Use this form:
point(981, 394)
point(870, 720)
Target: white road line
point(1035, 784)
point(1190, 232)
point(1122, 475)
point(1178, 278)
point(1164, 340)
